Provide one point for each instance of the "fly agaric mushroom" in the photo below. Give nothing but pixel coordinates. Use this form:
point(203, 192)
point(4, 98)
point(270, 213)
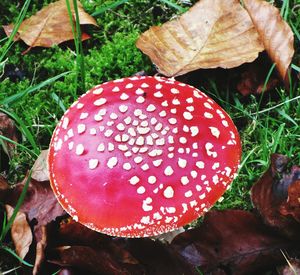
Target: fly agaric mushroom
point(142, 156)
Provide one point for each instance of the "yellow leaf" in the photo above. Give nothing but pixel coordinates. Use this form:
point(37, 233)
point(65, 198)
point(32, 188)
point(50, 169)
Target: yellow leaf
point(213, 33)
point(274, 32)
point(51, 25)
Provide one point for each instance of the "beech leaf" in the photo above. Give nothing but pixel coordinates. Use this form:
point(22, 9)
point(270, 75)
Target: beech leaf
point(275, 34)
point(233, 242)
point(20, 232)
point(213, 33)
point(51, 25)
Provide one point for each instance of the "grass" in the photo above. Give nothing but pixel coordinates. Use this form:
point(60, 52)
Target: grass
point(55, 77)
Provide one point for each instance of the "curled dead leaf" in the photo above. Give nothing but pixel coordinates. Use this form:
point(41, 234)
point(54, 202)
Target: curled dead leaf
point(292, 205)
point(275, 34)
point(213, 33)
point(9, 130)
point(39, 169)
point(270, 196)
point(51, 25)
point(40, 252)
point(20, 232)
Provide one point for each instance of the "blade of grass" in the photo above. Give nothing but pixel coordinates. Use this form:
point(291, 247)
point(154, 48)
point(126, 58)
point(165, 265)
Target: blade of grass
point(80, 55)
point(19, 145)
point(277, 138)
point(278, 105)
point(23, 129)
point(173, 5)
point(80, 70)
point(9, 250)
point(59, 101)
point(11, 270)
point(296, 68)
point(17, 207)
point(14, 98)
point(284, 12)
point(109, 7)
point(20, 19)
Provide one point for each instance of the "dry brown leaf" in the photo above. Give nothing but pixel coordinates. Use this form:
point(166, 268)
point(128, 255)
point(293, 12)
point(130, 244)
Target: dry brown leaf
point(20, 232)
point(236, 242)
point(9, 130)
point(51, 25)
point(40, 252)
point(274, 32)
point(276, 202)
point(39, 169)
point(213, 33)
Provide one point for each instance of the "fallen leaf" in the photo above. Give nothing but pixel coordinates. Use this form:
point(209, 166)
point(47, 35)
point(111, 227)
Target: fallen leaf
point(40, 252)
point(39, 169)
point(113, 255)
point(275, 34)
point(213, 33)
point(40, 204)
point(157, 257)
point(74, 233)
point(270, 192)
point(51, 25)
point(88, 259)
point(9, 130)
point(292, 205)
point(235, 242)
point(20, 232)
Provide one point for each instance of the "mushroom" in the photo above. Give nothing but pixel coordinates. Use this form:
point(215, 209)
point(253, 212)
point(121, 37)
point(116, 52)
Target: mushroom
point(141, 156)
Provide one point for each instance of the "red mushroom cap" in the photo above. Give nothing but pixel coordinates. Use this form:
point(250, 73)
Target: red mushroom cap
point(142, 156)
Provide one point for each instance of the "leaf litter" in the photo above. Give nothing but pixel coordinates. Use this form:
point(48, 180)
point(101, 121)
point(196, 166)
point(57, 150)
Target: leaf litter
point(226, 242)
point(216, 33)
point(51, 25)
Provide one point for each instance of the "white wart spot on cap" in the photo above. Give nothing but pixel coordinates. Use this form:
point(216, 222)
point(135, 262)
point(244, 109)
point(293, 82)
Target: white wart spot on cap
point(83, 115)
point(215, 131)
point(124, 96)
point(208, 115)
point(134, 180)
point(152, 179)
point(169, 192)
point(129, 85)
point(81, 128)
point(182, 162)
point(200, 164)
point(100, 101)
point(225, 123)
point(184, 180)
point(65, 123)
point(93, 163)
point(112, 162)
point(141, 190)
point(187, 115)
point(168, 171)
point(146, 204)
point(98, 91)
point(79, 149)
